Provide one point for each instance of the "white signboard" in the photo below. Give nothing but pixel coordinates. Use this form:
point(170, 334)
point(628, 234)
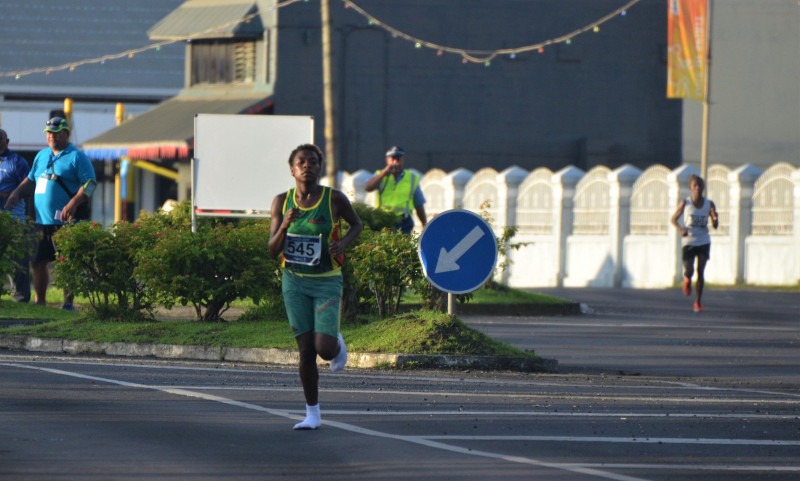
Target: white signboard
point(242, 161)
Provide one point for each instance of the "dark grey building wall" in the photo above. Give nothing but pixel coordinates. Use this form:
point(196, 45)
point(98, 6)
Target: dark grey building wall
point(599, 100)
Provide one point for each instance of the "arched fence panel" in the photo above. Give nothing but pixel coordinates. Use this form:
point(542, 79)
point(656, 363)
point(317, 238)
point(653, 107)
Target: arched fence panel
point(588, 250)
point(647, 250)
point(772, 251)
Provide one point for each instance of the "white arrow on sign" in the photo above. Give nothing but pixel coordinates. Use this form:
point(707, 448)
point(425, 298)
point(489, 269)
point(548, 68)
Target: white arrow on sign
point(448, 261)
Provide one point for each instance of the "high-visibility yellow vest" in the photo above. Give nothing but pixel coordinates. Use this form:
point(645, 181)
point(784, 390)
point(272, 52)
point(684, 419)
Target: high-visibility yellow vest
point(398, 196)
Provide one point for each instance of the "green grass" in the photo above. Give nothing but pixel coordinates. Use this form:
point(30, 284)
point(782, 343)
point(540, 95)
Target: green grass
point(15, 310)
point(212, 334)
point(497, 296)
point(413, 332)
point(55, 298)
point(425, 332)
point(419, 332)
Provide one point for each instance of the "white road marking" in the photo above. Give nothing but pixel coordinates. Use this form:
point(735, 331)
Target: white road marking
point(433, 441)
point(610, 439)
point(344, 426)
point(700, 467)
point(518, 396)
point(543, 322)
point(275, 370)
point(547, 414)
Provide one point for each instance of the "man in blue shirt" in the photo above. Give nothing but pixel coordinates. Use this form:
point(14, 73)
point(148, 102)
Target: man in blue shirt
point(13, 170)
point(61, 179)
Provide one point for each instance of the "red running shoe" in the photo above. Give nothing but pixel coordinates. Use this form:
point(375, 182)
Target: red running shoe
point(698, 307)
point(687, 286)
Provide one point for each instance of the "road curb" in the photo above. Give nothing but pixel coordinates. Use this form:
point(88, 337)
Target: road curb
point(270, 356)
point(468, 309)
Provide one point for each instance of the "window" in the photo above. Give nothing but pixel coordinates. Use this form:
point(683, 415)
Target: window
point(223, 61)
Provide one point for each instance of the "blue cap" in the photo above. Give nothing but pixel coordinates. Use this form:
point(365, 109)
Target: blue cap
point(395, 151)
point(56, 124)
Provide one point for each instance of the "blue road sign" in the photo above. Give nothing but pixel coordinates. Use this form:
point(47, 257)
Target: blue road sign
point(458, 251)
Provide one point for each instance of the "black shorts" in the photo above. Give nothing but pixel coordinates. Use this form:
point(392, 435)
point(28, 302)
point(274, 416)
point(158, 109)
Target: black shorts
point(690, 252)
point(45, 250)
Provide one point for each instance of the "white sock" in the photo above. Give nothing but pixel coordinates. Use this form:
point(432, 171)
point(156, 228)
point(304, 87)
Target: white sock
point(338, 362)
point(313, 419)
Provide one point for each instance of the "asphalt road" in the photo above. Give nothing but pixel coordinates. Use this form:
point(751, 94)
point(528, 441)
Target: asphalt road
point(743, 333)
point(649, 391)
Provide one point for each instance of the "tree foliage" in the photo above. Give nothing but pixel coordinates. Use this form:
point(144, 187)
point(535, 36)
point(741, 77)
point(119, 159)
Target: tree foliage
point(128, 268)
point(210, 268)
point(98, 264)
point(15, 240)
point(385, 263)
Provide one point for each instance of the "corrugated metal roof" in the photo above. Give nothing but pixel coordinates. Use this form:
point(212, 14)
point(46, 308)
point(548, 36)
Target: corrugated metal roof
point(46, 33)
point(167, 131)
point(210, 19)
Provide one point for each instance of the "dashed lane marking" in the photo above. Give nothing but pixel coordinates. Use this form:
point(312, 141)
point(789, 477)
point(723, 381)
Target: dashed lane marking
point(435, 441)
point(419, 440)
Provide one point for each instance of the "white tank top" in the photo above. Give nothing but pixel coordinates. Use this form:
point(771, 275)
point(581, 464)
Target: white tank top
point(696, 221)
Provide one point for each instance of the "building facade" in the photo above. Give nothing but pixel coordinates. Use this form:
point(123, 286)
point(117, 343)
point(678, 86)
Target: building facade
point(593, 93)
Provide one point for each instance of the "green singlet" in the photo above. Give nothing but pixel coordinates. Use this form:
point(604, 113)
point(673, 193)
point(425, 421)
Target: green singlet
point(306, 248)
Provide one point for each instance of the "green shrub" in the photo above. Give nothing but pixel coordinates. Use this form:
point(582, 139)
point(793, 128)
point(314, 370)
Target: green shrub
point(210, 268)
point(385, 262)
point(271, 307)
point(127, 269)
point(356, 297)
point(376, 219)
point(98, 264)
point(14, 241)
point(180, 217)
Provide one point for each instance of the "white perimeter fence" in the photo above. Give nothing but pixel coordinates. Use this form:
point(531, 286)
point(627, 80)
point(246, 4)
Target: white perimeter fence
point(611, 228)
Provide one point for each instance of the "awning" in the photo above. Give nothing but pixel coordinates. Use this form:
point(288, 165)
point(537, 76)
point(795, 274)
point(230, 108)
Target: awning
point(210, 19)
point(167, 131)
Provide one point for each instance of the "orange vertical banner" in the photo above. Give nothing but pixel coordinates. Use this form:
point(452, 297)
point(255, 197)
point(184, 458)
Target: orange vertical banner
point(687, 43)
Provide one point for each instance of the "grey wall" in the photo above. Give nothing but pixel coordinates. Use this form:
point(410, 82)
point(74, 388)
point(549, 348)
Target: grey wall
point(755, 86)
point(600, 100)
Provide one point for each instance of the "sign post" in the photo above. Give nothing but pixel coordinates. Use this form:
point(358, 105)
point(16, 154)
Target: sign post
point(458, 252)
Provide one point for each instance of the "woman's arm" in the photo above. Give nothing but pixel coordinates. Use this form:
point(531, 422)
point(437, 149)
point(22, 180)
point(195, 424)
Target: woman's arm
point(278, 225)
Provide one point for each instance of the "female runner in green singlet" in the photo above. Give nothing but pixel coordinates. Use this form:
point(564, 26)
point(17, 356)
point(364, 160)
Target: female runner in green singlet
point(303, 231)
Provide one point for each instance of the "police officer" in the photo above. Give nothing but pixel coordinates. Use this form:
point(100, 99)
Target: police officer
point(399, 190)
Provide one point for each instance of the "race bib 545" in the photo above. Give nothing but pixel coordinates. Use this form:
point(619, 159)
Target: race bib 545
point(303, 249)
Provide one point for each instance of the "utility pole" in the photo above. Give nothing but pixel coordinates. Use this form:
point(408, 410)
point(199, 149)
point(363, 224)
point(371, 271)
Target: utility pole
point(706, 96)
point(328, 89)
